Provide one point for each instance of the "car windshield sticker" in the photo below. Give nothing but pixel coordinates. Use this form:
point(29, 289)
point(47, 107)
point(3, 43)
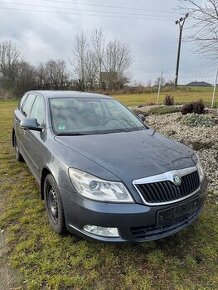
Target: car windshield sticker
point(61, 127)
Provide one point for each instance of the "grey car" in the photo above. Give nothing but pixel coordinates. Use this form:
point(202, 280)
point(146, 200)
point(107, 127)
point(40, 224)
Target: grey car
point(102, 172)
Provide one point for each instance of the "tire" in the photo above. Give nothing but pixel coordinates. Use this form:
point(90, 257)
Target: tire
point(53, 205)
point(19, 157)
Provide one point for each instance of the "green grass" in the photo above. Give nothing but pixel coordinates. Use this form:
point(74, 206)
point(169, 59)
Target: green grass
point(180, 96)
point(187, 260)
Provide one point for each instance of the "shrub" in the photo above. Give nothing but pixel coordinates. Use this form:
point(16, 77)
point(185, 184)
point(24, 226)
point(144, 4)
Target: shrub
point(163, 110)
point(194, 107)
point(187, 109)
point(194, 120)
point(169, 100)
point(198, 107)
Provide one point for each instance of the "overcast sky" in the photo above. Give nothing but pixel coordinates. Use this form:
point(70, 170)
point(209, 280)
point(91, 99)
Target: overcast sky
point(46, 29)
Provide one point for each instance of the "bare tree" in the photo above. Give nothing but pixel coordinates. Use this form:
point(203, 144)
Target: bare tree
point(117, 62)
point(159, 80)
point(25, 78)
point(91, 69)
point(18, 76)
point(41, 76)
point(98, 42)
point(80, 52)
point(9, 59)
point(56, 73)
point(205, 24)
point(52, 75)
point(106, 62)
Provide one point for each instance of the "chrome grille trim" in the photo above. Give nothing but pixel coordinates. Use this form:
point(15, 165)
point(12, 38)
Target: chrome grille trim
point(166, 176)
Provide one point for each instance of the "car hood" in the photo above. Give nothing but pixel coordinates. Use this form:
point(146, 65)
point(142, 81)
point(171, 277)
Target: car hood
point(131, 155)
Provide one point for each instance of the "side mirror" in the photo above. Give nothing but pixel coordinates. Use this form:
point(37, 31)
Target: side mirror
point(141, 117)
point(30, 124)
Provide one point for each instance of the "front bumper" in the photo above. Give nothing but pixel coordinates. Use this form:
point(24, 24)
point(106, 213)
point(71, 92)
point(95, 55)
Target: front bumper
point(135, 222)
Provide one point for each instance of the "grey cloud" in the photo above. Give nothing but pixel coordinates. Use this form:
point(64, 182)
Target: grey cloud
point(42, 36)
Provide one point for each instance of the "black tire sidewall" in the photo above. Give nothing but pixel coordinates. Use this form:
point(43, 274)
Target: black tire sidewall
point(58, 227)
point(17, 152)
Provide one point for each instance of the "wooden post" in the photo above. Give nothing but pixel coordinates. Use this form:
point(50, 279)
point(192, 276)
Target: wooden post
point(214, 89)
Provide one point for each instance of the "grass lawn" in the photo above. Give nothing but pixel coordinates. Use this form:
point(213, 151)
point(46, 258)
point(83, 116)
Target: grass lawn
point(180, 96)
point(187, 260)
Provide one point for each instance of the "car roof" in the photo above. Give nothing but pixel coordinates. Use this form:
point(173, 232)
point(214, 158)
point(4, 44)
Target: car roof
point(73, 94)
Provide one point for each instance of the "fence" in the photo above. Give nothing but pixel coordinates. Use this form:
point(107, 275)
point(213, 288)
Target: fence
point(192, 85)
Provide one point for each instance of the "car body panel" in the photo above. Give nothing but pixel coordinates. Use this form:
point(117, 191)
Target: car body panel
point(145, 155)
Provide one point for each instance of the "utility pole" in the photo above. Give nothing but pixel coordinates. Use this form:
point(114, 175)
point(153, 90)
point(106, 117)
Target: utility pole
point(181, 23)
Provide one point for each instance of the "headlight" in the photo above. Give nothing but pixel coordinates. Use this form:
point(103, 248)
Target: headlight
point(200, 169)
point(98, 189)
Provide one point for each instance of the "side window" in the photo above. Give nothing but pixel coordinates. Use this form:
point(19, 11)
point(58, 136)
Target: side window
point(38, 110)
point(26, 108)
point(22, 101)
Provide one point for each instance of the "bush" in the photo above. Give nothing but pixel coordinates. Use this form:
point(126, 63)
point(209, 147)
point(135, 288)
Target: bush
point(198, 107)
point(163, 110)
point(194, 107)
point(194, 120)
point(169, 100)
point(187, 109)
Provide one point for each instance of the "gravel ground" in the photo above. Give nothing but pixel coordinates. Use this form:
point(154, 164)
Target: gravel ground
point(202, 139)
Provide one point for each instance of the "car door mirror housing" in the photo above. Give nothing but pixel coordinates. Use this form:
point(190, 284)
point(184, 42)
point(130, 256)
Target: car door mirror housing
point(30, 124)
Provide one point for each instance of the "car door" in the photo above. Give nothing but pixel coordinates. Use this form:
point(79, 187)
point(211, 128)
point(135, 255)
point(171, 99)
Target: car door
point(22, 112)
point(34, 141)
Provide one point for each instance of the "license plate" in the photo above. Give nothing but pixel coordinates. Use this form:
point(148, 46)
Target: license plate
point(173, 214)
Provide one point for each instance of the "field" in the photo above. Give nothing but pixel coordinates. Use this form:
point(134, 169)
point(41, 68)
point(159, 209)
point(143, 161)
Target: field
point(43, 260)
point(180, 96)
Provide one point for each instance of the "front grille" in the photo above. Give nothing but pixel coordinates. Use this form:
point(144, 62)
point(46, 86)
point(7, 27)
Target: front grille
point(166, 191)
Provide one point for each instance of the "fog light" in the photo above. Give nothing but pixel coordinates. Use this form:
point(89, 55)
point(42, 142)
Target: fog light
point(101, 231)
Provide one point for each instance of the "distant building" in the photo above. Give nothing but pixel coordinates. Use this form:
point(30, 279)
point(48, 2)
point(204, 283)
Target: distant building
point(199, 84)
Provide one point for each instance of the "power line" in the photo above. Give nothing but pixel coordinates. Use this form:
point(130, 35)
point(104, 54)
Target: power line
point(114, 7)
point(82, 14)
point(109, 6)
point(86, 10)
point(85, 14)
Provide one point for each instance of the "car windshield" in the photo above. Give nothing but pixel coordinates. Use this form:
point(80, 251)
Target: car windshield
point(82, 116)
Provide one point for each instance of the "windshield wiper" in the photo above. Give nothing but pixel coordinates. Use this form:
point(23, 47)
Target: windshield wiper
point(72, 134)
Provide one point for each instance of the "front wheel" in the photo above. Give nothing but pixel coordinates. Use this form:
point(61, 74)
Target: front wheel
point(19, 157)
point(53, 205)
